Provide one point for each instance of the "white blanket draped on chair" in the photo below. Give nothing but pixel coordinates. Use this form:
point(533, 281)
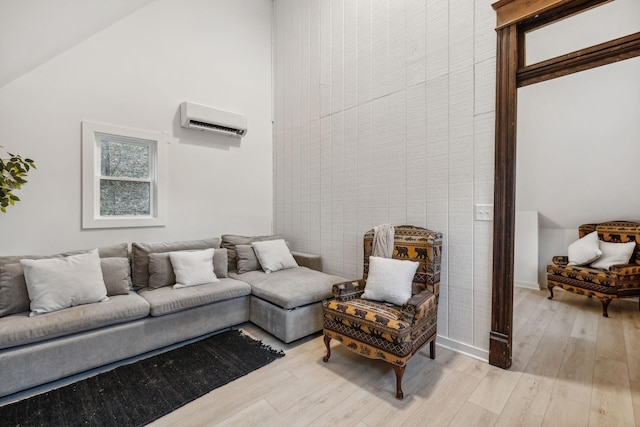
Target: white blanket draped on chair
point(383, 241)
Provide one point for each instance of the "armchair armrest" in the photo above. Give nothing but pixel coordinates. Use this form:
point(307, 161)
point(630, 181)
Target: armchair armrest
point(560, 260)
point(311, 261)
point(625, 269)
point(417, 306)
point(346, 291)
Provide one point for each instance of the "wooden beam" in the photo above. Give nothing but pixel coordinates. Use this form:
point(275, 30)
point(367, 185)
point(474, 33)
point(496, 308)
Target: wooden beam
point(519, 11)
point(581, 60)
point(513, 11)
point(501, 335)
point(561, 12)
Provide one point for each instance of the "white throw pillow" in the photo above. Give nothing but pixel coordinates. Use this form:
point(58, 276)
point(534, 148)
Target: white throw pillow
point(390, 280)
point(614, 254)
point(57, 283)
point(193, 268)
point(585, 250)
point(274, 255)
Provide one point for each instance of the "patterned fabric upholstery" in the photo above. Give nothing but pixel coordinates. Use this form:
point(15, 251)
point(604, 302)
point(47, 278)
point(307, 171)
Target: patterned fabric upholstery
point(385, 331)
point(619, 281)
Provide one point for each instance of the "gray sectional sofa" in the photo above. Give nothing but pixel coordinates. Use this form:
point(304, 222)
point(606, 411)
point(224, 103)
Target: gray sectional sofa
point(145, 315)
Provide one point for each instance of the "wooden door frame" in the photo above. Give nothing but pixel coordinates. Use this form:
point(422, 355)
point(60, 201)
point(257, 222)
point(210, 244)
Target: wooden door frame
point(514, 19)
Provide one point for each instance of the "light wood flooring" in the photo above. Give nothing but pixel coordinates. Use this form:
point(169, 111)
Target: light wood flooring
point(571, 367)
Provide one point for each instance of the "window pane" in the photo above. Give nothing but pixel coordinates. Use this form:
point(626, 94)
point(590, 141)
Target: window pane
point(119, 198)
point(120, 159)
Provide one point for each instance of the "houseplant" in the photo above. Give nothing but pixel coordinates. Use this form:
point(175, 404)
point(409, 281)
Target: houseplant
point(13, 171)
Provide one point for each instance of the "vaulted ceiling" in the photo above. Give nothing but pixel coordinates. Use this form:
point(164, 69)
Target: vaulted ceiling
point(34, 31)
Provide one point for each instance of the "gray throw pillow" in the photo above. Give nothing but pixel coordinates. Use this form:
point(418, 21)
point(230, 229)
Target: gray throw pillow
point(116, 273)
point(246, 259)
point(220, 263)
point(160, 270)
point(14, 297)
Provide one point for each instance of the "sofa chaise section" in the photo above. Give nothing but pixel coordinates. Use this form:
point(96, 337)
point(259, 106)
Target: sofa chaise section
point(288, 303)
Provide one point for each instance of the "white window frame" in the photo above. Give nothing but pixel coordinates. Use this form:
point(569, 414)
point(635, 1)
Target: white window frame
point(92, 135)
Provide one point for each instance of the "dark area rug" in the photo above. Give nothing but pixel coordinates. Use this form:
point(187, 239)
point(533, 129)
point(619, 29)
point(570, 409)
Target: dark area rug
point(136, 394)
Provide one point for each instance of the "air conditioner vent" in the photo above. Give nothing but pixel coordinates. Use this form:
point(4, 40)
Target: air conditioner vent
point(196, 123)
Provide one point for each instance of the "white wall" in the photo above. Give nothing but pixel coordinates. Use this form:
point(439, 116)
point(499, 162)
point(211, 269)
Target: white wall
point(578, 146)
point(135, 73)
point(385, 113)
point(525, 252)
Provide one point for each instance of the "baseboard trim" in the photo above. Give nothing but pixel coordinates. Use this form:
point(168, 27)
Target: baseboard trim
point(527, 285)
point(467, 350)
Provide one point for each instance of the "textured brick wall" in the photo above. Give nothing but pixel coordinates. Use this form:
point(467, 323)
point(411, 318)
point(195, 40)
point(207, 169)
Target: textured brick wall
point(384, 112)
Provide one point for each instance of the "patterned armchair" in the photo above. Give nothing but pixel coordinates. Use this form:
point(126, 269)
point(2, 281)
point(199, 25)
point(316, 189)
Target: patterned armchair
point(381, 330)
point(619, 281)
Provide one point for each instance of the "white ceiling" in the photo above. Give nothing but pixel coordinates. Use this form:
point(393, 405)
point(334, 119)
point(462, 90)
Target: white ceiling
point(34, 31)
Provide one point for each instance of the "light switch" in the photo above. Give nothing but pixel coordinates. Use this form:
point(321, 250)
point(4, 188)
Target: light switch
point(484, 212)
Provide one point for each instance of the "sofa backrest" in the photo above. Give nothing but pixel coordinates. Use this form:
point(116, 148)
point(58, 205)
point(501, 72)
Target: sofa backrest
point(229, 242)
point(413, 244)
point(140, 256)
point(616, 232)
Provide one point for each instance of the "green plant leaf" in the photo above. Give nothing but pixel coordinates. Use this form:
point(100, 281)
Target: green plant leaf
point(13, 171)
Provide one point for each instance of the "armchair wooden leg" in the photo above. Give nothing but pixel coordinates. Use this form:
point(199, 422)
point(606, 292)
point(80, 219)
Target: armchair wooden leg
point(432, 349)
point(327, 340)
point(550, 287)
point(399, 370)
point(605, 306)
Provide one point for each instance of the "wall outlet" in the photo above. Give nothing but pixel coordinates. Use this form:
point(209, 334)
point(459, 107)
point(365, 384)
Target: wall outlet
point(484, 212)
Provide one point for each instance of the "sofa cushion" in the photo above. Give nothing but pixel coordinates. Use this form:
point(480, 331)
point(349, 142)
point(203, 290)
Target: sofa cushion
point(220, 263)
point(592, 276)
point(246, 259)
point(371, 317)
point(58, 283)
point(18, 329)
point(290, 288)
point(14, 297)
point(140, 255)
point(161, 270)
point(229, 241)
point(167, 300)
point(116, 273)
point(274, 255)
point(193, 268)
point(119, 250)
point(13, 288)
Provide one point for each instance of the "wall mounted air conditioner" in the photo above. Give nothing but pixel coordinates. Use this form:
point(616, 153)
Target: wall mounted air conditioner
point(200, 117)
